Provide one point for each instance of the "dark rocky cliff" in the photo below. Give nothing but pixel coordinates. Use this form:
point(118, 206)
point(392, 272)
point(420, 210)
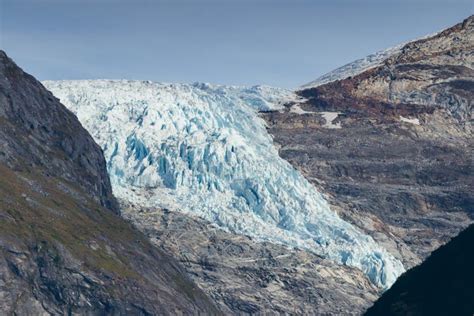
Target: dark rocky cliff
point(442, 285)
point(397, 158)
point(43, 134)
point(63, 248)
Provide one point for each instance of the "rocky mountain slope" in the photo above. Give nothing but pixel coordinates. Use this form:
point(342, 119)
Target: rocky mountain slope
point(441, 285)
point(245, 276)
point(64, 250)
point(392, 145)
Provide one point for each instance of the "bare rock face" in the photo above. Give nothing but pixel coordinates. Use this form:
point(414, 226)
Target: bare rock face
point(392, 146)
point(63, 248)
point(247, 277)
point(43, 133)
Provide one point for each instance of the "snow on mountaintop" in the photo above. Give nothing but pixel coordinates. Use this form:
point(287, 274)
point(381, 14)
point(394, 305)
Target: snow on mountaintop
point(202, 149)
point(356, 67)
point(360, 65)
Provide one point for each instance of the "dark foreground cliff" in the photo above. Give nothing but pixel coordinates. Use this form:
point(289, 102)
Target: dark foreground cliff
point(63, 248)
point(442, 285)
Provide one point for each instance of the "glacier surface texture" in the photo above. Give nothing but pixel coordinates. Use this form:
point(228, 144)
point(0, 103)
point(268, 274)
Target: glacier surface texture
point(202, 149)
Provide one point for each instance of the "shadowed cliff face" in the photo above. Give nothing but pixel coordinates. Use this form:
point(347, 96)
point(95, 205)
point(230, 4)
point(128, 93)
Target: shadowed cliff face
point(392, 146)
point(442, 285)
point(40, 132)
point(63, 248)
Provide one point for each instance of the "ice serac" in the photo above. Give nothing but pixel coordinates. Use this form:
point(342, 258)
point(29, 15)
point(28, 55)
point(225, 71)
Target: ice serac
point(203, 150)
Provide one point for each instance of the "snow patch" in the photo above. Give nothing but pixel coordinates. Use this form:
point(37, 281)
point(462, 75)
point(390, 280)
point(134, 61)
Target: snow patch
point(360, 65)
point(298, 110)
point(330, 117)
point(354, 68)
point(202, 149)
point(409, 120)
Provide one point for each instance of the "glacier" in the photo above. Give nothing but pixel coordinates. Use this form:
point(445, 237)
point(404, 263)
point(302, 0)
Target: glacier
point(203, 150)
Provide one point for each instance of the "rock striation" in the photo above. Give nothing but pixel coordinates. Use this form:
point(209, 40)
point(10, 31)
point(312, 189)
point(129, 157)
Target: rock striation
point(245, 276)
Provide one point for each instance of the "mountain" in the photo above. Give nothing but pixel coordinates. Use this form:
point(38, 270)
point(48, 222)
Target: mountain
point(355, 67)
point(64, 248)
point(442, 285)
point(311, 201)
point(392, 146)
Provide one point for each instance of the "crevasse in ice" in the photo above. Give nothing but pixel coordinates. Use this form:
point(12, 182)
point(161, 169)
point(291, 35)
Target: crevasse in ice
point(202, 149)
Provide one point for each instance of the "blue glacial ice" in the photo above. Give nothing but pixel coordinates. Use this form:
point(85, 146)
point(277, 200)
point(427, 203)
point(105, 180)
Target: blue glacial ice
point(202, 149)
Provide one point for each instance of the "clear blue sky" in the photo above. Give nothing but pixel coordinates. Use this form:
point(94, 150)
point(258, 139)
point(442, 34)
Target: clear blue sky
point(280, 43)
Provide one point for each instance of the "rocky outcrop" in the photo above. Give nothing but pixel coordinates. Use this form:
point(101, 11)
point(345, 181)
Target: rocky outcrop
point(435, 73)
point(63, 248)
point(392, 146)
point(442, 285)
point(244, 276)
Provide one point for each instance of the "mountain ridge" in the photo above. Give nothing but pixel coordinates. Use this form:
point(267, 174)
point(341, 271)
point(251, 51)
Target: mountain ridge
point(64, 249)
point(392, 146)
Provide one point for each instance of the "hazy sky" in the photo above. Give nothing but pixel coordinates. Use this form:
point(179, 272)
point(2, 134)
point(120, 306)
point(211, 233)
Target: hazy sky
point(280, 43)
